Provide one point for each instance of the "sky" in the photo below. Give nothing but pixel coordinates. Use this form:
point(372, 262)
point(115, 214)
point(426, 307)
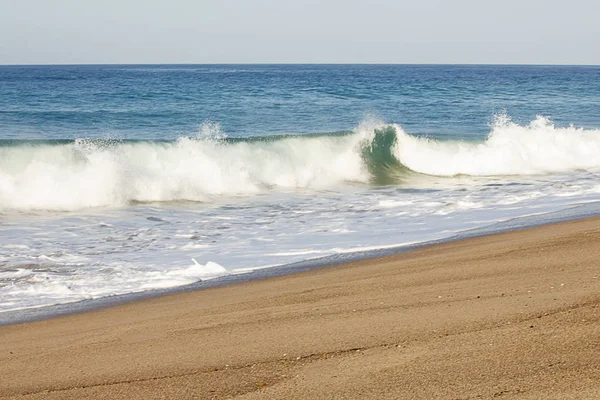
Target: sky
point(299, 31)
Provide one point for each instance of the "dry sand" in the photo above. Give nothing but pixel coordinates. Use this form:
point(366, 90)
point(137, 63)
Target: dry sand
point(508, 315)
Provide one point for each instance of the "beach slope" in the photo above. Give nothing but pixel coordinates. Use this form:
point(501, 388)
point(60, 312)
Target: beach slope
point(508, 315)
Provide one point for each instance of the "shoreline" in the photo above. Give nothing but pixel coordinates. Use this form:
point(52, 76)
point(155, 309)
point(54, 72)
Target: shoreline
point(577, 212)
point(512, 314)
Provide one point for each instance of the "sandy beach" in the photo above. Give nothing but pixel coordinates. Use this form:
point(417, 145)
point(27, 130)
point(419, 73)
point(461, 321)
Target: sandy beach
point(511, 315)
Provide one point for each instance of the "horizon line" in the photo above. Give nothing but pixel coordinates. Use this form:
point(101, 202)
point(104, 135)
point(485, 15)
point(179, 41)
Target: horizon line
point(298, 63)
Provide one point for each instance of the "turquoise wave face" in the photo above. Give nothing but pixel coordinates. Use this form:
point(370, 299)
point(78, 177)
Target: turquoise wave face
point(378, 156)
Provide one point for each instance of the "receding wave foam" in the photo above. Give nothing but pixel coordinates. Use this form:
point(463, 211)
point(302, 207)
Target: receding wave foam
point(91, 173)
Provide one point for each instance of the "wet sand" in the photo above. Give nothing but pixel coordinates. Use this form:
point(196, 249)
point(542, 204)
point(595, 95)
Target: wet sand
point(511, 315)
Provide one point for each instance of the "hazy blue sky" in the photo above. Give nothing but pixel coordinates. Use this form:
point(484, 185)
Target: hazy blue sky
point(299, 31)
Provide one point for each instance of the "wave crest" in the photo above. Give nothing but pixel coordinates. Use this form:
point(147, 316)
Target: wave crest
point(510, 149)
point(91, 173)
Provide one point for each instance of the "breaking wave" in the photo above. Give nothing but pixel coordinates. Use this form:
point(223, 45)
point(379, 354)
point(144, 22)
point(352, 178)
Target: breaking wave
point(70, 175)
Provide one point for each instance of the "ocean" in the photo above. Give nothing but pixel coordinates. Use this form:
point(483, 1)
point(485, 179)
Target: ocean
point(126, 179)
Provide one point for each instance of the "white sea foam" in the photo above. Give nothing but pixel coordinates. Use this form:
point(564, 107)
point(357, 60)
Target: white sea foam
point(90, 173)
point(53, 285)
point(96, 253)
point(510, 149)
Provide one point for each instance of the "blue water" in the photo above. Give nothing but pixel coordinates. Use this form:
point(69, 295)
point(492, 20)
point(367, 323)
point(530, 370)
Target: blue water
point(165, 102)
point(123, 179)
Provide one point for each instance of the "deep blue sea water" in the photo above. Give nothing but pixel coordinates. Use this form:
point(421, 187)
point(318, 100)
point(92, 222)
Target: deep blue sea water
point(120, 179)
point(165, 102)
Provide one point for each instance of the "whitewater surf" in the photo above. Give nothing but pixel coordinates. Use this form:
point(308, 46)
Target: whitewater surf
point(88, 173)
